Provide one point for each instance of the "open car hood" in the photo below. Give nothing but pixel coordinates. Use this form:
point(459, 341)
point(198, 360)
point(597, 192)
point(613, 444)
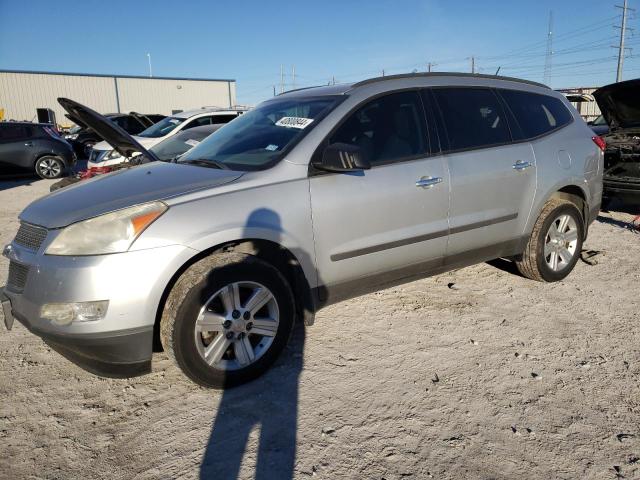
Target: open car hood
point(115, 136)
point(620, 103)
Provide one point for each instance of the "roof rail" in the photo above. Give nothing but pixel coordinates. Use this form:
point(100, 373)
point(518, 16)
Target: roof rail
point(445, 74)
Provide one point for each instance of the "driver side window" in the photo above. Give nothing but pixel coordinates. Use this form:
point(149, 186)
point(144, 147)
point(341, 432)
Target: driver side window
point(387, 129)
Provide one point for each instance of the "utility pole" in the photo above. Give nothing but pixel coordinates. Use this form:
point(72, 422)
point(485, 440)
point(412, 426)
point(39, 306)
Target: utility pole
point(281, 78)
point(333, 80)
point(549, 54)
point(429, 67)
point(293, 77)
point(150, 71)
point(274, 90)
point(623, 31)
point(383, 72)
point(473, 64)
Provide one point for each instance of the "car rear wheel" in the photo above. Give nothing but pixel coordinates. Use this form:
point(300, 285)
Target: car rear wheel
point(227, 319)
point(49, 167)
point(555, 243)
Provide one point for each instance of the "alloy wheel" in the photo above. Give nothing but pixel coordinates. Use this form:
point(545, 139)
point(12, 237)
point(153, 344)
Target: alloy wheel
point(49, 168)
point(561, 242)
point(236, 325)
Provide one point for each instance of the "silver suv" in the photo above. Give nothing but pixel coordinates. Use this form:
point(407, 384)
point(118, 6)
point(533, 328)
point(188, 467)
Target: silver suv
point(315, 196)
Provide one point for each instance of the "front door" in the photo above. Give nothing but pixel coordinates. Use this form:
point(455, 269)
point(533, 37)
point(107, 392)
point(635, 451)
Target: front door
point(389, 222)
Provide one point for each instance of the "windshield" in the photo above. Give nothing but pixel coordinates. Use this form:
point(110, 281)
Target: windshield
point(162, 128)
point(176, 145)
point(257, 139)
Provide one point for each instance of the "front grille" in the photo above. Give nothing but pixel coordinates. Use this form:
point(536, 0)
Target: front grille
point(17, 276)
point(30, 236)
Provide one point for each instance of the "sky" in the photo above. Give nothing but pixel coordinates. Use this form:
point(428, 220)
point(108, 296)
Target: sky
point(345, 41)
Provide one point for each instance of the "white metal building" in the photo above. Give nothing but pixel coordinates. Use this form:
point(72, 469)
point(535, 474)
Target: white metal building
point(588, 109)
point(21, 92)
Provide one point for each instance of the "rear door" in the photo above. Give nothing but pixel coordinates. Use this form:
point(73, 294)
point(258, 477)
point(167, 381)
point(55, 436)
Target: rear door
point(493, 179)
point(390, 221)
point(16, 145)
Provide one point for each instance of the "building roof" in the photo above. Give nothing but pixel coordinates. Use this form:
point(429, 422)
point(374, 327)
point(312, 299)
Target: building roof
point(74, 74)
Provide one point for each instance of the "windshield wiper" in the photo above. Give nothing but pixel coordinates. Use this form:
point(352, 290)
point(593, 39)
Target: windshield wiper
point(205, 163)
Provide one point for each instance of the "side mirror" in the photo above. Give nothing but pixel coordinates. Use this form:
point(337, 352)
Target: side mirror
point(343, 157)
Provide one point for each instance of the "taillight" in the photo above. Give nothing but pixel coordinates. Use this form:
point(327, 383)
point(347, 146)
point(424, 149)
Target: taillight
point(599, 141)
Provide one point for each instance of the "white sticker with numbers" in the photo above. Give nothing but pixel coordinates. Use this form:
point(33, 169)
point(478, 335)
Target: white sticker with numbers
point(294, 122)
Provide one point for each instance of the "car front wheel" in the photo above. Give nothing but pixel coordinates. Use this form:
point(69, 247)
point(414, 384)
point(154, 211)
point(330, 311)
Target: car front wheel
point(49, 167)
point(227, 319)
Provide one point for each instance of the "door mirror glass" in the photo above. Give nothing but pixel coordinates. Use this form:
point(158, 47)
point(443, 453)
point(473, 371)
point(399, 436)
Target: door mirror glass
point(343, 157)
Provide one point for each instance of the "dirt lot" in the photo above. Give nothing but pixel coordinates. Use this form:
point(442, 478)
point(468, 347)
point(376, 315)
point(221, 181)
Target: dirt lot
point(477, 373)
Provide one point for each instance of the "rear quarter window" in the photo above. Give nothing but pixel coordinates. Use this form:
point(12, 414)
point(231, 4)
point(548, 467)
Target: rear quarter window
point(536, 114)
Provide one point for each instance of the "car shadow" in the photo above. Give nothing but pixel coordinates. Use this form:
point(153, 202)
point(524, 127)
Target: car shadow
point(266, 407)
point(7, 182)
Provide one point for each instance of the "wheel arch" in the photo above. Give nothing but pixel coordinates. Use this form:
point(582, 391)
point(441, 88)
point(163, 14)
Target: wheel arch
point(273, 253)
point(575, 194)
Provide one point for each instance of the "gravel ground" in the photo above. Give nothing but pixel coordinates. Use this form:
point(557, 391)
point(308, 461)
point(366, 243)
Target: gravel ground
point(477, 373)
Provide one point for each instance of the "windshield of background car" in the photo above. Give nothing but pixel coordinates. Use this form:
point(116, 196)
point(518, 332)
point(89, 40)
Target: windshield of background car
point(162, 128)
point(176, 145)
point(257, 139)
point(600, 121)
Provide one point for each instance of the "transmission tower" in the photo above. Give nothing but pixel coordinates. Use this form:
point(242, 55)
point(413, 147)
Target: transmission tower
point(622, 50)
point(547, 60)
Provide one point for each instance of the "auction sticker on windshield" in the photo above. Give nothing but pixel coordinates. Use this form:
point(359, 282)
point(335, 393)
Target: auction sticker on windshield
point(294, 122)
point(192, 142)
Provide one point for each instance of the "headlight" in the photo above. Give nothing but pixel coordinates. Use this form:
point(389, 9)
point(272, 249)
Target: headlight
point(110, 233)
point(71, 136)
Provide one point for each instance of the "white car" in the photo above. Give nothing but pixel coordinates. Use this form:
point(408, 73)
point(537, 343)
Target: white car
point(103, 154)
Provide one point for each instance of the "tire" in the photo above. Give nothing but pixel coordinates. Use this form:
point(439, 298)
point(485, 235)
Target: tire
point(537, 262)
point(49, 167)
point(204, 287)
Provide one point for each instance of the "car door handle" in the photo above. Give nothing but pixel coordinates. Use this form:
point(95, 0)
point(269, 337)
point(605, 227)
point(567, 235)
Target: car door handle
point(520, 165)
point(428, 182)
point(28, 144)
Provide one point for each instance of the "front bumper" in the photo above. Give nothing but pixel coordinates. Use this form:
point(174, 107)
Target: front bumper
point(121, 354)
point(120, 344)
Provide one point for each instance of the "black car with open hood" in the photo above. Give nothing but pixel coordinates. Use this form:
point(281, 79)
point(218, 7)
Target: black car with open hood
point(620, 106)
point(115, 135)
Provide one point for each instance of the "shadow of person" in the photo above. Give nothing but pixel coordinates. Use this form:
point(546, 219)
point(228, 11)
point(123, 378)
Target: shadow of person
point(268, 404)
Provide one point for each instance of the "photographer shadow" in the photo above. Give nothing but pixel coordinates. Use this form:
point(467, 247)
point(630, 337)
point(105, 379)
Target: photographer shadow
point(268, 404)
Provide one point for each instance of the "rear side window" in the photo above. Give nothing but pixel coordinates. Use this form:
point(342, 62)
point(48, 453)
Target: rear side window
point(536, 114)
point(198, 122)
point(222, 119)
point(10, 133)
point(473, 117)
point(387, 129)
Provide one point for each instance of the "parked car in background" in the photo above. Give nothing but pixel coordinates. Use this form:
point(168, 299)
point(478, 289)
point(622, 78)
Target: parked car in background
point(34, 147)
point(620, 106)
point(167, 151)
point(83, 138)
point(599, 125)
point(314, 196)
point(167, 127)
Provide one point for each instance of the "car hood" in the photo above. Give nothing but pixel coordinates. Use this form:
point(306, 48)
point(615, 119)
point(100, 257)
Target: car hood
point(620, 103)
point(117, 137)
point(122, 189)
